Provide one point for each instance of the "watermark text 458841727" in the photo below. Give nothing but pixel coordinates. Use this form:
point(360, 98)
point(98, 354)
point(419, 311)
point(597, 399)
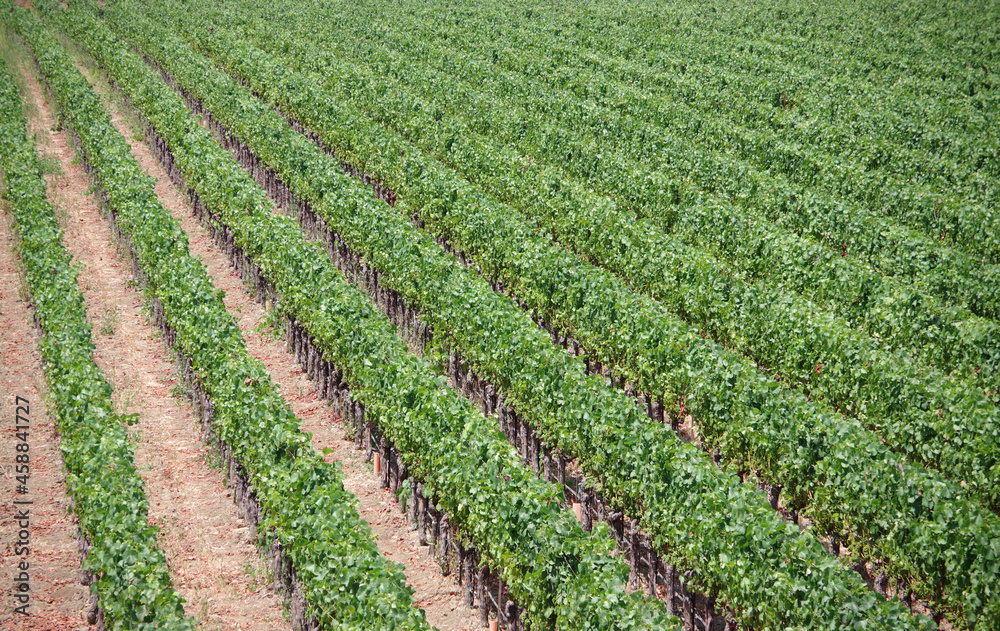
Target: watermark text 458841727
point(22, 508)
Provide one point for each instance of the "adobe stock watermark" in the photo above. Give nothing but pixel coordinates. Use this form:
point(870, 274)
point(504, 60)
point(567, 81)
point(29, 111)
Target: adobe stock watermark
point(22, 508)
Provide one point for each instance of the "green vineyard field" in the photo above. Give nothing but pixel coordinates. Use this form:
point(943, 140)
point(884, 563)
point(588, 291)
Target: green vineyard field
point(649, 315)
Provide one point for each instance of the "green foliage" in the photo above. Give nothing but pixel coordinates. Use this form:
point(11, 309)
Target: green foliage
point(607, 432)
point(306, 508)
point(109, 321)
point(561, 575)
point(132, 581)
point(774, 328)
point(50, 164)
point(613, 93)
point(826, 462)
point(700, 194)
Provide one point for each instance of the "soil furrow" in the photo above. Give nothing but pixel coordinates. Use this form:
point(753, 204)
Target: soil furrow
point(213, 562)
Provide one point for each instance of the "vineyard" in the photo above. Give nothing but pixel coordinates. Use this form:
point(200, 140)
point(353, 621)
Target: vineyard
point(520, 316)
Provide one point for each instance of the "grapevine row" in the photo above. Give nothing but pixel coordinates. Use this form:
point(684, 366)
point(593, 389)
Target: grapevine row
point(122, 558)
point(903, 317)
point(459, 312)
point(562, 576)
point(521, 113)
point(306, 512)
point(875, 172)
point(701, 491)
point(824, 101)
point(614, 151)
point(896, 397)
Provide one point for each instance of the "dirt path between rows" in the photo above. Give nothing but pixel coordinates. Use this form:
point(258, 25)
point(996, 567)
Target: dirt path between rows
point(439, 596)
point(57, 598)
point(213, 562)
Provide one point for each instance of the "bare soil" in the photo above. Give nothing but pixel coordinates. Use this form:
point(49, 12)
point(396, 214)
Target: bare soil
point(214, 565)
point(439, 596)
